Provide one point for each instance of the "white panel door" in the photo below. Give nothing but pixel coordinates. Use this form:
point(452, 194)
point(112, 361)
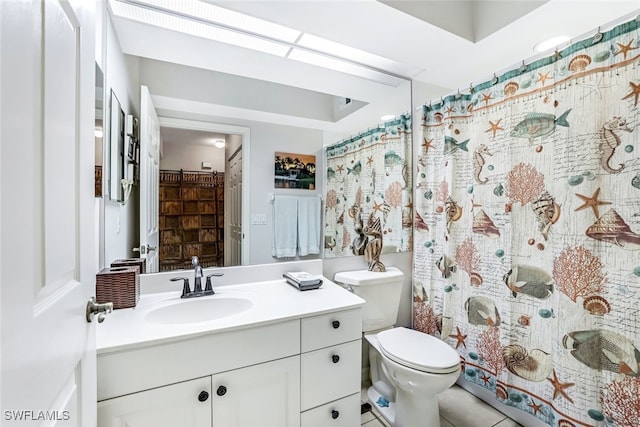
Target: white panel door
point(46, 210)
point(233, 238)
point(149, 180)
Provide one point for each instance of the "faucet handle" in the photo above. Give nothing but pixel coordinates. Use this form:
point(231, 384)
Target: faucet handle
point(186, 289)
point(207, 286)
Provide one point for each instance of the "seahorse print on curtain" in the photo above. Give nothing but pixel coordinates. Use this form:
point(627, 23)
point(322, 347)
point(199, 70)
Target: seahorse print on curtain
point(527, 232)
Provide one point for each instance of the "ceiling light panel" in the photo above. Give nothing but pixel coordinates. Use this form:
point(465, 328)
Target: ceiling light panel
point(209, 12)
point(352, 54)
point(343, 66)
point(195, 28)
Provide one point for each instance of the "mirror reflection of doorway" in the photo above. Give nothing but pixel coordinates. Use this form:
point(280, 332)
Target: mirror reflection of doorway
point(200, 206)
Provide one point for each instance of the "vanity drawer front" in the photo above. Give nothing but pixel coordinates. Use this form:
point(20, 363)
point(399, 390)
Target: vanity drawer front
point(329, 329)
point(330, 373)
point(341, 413)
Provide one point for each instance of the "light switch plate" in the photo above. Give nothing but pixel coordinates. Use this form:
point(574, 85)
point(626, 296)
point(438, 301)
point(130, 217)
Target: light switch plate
point(259, 219)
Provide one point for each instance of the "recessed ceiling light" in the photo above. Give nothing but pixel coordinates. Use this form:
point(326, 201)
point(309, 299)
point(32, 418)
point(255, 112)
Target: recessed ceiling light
point(550, 43)
point(387, 117)
point(219, 143)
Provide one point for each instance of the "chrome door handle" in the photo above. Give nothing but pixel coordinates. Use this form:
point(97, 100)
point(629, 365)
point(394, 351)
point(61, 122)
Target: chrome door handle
point(144, 249)
point(100, 309)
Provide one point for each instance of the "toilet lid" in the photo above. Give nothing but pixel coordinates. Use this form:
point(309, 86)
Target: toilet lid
point(418, 351)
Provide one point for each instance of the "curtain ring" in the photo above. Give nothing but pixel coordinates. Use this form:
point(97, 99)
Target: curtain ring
point(597, 37)
point(523, 67)
point(495, 79)
point(471, 89)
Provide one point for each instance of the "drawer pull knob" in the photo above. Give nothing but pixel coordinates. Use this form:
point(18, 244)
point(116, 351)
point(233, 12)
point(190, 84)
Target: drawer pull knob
point(335, 358)
point(334, 414)
point(222, 390)
point(335, 324)
point(203, 396)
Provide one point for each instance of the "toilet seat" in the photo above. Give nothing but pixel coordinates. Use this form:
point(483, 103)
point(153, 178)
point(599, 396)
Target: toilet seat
point(419, 351)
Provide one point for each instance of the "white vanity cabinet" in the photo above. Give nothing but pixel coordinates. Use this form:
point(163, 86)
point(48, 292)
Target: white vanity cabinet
point(298, 370)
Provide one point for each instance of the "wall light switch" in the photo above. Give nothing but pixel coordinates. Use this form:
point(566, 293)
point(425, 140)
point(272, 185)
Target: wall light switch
point(259, 219)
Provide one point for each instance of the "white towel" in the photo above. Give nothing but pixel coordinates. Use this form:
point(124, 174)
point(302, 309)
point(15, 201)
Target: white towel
point(285, 211)
point(309, 224)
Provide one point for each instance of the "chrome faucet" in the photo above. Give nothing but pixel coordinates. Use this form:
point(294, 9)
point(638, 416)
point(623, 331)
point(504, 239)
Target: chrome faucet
point(197, 287)
point(197, 271)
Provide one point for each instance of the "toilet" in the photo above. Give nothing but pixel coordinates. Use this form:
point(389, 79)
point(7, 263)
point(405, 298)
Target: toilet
point(407, 368)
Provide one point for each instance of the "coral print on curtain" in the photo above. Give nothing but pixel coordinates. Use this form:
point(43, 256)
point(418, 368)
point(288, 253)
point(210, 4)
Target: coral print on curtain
point(527, 232)
point(368, 177)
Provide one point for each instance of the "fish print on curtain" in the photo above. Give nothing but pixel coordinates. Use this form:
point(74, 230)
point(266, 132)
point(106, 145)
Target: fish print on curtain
point(368, 177)
point(527, 232)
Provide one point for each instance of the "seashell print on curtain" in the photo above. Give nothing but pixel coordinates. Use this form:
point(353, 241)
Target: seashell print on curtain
point(367, 175)
point(527, 233)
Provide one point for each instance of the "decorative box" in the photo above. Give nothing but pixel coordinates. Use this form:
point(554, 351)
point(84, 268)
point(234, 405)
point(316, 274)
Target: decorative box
point(128, 262)
point(119, 285)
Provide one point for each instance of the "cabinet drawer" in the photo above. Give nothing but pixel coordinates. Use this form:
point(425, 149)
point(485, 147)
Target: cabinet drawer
point(341, 413)
point(330, 373)
point(329, 329)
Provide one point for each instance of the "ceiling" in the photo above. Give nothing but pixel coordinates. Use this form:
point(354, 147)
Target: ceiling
point(447, 45)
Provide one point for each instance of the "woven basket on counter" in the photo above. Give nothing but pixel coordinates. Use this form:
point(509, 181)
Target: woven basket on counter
point(127, 262)
point(119, 285)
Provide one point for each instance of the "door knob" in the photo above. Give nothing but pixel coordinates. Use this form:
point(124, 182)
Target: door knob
point(144, 249)
point(203, 396)
point(100, 309)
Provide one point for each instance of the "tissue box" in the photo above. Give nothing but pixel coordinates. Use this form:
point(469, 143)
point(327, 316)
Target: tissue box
point(127, 262)
point(119, 285)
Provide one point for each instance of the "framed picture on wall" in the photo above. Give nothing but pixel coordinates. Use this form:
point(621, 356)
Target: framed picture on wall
point(295, 171)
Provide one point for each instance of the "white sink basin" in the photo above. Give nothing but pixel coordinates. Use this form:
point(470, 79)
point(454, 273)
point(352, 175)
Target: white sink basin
point(202, 309)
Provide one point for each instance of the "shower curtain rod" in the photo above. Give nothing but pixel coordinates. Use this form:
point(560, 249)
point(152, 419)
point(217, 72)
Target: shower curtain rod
point(545, 54)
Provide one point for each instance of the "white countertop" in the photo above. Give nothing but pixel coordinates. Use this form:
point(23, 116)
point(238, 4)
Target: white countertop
point(273, 301)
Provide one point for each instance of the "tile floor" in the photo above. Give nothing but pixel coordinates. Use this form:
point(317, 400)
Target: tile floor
point(476, 413)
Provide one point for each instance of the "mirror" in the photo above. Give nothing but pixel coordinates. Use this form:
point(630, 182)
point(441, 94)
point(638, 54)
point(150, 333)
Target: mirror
point(116, 149)
point(99, 120)
point(282, 105)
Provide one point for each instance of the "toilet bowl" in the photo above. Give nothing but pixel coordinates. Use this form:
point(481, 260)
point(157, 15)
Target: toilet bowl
point(407, 368)
point(418, 367)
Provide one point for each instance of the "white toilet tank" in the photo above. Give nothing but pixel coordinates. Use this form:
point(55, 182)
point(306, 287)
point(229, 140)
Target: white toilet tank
point(381, 291)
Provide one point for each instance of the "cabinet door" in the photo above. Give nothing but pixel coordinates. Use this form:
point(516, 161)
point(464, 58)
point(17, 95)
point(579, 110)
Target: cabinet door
point(185, 404)
point(265, 395)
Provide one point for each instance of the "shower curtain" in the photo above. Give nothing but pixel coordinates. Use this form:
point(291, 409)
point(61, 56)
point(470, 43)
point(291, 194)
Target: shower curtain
point(527, 232)
point(368, 177)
